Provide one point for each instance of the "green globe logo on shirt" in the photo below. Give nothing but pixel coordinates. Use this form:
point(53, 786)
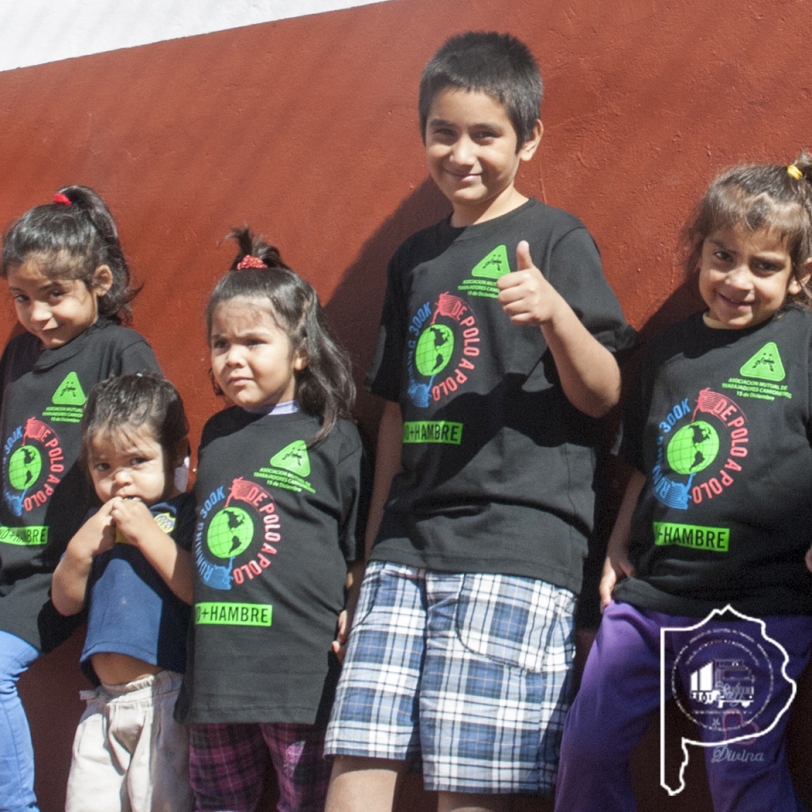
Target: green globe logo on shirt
point(230, 532)
point(434, 349)
point(24, 467)
point(693, 448)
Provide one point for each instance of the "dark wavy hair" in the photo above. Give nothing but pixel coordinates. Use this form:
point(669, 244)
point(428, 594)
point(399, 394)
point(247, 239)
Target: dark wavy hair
point(497, 64)
point(132, 401)
point(71, 242)
point(755, 197)
point(324, 388)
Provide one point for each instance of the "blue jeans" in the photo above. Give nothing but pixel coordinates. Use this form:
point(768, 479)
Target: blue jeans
point(16, 750)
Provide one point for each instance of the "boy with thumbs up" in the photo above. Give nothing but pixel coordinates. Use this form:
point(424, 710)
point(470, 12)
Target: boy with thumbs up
point(496, 360)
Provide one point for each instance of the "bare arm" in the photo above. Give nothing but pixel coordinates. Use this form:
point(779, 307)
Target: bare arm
point(589, 374)
point(172, 563)
point(387, 464)
point(69, 583)
point(355, 574)
point(617, 564)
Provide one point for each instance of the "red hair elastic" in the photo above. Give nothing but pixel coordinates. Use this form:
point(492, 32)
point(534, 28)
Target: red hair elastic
point(249, 261)
point(60, 198)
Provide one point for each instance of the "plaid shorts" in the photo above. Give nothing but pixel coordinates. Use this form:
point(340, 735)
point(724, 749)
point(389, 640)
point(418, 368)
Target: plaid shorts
point(469, 672)
point(227, 765)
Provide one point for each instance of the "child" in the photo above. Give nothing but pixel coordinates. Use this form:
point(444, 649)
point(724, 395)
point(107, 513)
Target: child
point(725, 523)
point(71, 287)
point(278, 488)
point(461, 648)
point(129, 753)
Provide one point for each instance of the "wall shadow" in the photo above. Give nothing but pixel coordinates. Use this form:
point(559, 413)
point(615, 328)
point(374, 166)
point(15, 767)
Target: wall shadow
point(354, 310)
point(612, 473)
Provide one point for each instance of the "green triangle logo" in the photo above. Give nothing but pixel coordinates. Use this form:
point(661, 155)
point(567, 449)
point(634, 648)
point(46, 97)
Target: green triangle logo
point(293, 458)
point(494, 265)
point(69, 392)
point(765, 364)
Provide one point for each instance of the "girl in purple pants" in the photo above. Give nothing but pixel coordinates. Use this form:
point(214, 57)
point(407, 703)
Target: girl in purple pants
point(712, 540)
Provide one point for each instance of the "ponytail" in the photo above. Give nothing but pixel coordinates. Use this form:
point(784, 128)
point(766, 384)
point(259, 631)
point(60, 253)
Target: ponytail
point(71, 237)
point(324, 388)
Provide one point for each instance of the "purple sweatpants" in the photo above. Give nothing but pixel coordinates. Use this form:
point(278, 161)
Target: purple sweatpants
point(620, 694)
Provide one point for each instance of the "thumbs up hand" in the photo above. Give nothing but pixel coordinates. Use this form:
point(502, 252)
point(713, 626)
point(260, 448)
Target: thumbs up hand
point(525, 295)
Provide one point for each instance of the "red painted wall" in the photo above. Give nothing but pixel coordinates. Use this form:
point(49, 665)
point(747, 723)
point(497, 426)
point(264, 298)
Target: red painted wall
point(307, 130)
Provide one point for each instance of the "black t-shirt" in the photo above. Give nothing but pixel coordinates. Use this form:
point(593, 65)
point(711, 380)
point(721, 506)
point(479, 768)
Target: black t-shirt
point(45, 493)
point(277, 522)
point(497, 464)
point(720, 425)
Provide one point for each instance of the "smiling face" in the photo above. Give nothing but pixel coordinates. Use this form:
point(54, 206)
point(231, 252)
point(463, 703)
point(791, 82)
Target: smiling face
point(55, 310)
point(128, 461)
point(252, 359)
point(745, 277)
point(473, 155)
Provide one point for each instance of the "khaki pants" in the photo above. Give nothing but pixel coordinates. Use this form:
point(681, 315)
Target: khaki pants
point(129, 754)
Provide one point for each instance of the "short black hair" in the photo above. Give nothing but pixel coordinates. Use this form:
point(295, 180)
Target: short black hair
point(132, 401)
point(497, 64)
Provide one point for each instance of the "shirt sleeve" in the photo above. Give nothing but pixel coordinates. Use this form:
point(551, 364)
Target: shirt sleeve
point(384, 376)
point(636, 412)
point(355, 483)
point(576, 273)
point(137, 356)
point(185, 521)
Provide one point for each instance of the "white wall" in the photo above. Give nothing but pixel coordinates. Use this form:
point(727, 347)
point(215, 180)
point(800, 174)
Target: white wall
point(33, 32)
